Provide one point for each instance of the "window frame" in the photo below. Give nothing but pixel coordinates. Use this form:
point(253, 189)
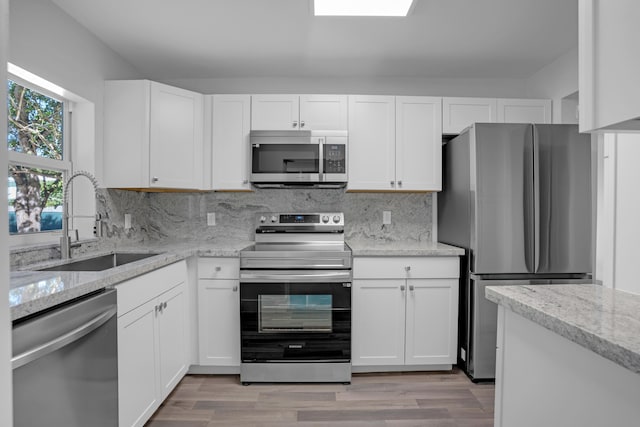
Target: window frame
point(28, 160)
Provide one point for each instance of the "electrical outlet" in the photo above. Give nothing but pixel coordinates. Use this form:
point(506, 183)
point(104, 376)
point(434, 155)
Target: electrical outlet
point(211, 218)
point(127, 221)
point(386, 217)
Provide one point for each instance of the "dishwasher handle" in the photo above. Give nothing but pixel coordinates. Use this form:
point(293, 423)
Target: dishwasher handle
point(63, 340)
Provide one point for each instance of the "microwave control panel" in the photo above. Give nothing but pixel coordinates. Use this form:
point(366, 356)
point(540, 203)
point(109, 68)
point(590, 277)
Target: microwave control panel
point(335, 158)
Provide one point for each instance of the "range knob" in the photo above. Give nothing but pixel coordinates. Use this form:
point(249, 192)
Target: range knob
point(336, 218)
point(325, 218)
point(274, 218)
point(263, 219)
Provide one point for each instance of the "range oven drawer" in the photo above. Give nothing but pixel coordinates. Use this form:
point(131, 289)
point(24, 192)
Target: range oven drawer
point(295, 321)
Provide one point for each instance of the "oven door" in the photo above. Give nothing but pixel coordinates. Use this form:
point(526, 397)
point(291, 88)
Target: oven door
point(295, 321)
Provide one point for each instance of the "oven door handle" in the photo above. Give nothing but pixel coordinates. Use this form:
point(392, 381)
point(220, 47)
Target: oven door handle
point(266, 276)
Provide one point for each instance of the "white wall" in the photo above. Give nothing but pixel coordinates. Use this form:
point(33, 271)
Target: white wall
point(556, 81)
point(507, 88)
point(619, 212)
point(47, 42)
point(6, 403)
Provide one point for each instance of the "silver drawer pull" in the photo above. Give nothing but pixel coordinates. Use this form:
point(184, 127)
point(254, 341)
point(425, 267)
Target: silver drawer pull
point(235, 289)
point(402, 288)
point(411, 288)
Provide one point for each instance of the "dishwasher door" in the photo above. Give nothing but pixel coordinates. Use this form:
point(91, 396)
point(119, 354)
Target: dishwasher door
point(65, 365)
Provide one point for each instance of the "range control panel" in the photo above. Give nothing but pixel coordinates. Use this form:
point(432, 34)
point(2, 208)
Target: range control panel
point(303, 219)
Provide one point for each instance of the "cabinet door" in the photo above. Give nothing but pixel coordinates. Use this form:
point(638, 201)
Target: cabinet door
point(432, 316)
point(378, 313)
point(323, 112)
point(176, 134)
point(231, 125)
point(138, 385)
point(172, 338)
point(524, 111)
point(607, 72)
point(275, 112)
point(459, 113)
point(419, 143)
point(219, 322)
point(372, 131)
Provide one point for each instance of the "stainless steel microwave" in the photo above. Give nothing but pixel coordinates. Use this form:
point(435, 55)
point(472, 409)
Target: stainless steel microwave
point(302, 158)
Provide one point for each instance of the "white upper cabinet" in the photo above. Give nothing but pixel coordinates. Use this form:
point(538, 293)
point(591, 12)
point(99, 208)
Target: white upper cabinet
point(395, 143)
point(524, 110)
point(609, 66)
point(230, 127)
point(372, 153)
point(153, 136)
point(323, 112)
point(459, 113)
point(303, 112)
point(418, 143)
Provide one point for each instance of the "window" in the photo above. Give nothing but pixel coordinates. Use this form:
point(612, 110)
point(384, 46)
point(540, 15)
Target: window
point(36, 140)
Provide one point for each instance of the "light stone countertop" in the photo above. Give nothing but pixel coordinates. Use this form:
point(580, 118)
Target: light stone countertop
point(32, 291)
point(600, 319)
point(402, 248)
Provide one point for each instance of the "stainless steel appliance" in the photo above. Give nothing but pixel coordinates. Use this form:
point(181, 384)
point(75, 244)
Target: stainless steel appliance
point(282, 159)
point(295, 300)
point(517, 197)
point(65, 365)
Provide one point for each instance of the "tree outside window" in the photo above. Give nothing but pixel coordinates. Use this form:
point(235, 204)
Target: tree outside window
point(36, 159)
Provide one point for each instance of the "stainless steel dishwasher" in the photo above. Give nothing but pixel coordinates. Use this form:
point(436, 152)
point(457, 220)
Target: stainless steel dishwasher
point(65, 365)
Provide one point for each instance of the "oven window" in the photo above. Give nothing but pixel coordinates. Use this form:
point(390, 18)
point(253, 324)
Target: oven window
point(294, 313)
point(286, 158)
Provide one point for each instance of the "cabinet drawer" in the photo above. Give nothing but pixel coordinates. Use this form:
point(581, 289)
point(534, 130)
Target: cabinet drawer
point(218, 268)
point(135, 292)
point(396, 267)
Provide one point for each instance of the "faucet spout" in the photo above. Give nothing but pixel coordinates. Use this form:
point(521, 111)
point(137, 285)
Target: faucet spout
point(65, 241)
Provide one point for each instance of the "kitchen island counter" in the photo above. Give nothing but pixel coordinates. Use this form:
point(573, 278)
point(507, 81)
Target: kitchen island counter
point(574, 350)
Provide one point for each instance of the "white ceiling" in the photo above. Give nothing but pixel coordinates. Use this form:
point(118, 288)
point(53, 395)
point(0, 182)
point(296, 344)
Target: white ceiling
point(184, 39)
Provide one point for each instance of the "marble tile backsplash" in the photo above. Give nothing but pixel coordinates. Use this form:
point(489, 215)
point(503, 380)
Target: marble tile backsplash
point(183, 216)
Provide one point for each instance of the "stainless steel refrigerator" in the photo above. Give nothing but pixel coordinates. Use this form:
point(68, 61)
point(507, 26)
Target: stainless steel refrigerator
point(517, 197)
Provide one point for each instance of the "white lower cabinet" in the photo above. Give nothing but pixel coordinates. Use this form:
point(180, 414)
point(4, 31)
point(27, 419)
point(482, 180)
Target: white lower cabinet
point(152, 341)
point(219, 312)
point(405, 312)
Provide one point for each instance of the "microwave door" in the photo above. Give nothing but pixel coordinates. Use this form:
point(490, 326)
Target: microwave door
point(285, 162)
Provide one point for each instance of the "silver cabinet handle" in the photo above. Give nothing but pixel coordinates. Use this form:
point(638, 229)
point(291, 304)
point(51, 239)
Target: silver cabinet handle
point(407, 268)
point(295, 124)
point(301, 124)
point(246, 181)
point(155, 179)
point(402, 288)
point(393, 183)
point(218, 268)
point(411, 288)
point(235, 289)
point(399, 183)
point(160, 308)
point(164, 305)
point(68, 338)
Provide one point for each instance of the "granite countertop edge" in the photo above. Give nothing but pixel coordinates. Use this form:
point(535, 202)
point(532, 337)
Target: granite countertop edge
point(84, 283)
point(620, 346)
point(391, 248)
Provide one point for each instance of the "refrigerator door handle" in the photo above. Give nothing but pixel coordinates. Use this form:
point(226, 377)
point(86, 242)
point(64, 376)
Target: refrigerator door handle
point(536, 199)
point(529, 202)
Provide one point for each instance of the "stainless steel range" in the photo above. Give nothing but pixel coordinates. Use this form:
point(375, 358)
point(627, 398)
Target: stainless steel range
point(295, 300)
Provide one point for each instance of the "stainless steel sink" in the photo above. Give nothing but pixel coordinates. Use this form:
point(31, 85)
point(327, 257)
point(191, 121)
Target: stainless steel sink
point(100, 263)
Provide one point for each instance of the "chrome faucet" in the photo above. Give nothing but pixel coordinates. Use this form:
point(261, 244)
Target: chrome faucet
point(65, 240)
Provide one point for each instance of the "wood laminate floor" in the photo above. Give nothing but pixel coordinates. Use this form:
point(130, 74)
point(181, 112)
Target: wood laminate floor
point(430, 399)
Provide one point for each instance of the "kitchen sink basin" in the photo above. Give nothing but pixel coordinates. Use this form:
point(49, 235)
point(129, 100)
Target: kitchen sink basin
point(100, 263)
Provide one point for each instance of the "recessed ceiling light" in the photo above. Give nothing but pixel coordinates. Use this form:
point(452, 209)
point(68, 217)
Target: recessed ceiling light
point(361, 7)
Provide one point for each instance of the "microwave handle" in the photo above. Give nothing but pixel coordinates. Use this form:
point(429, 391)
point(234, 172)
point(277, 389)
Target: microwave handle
point(321, 141)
